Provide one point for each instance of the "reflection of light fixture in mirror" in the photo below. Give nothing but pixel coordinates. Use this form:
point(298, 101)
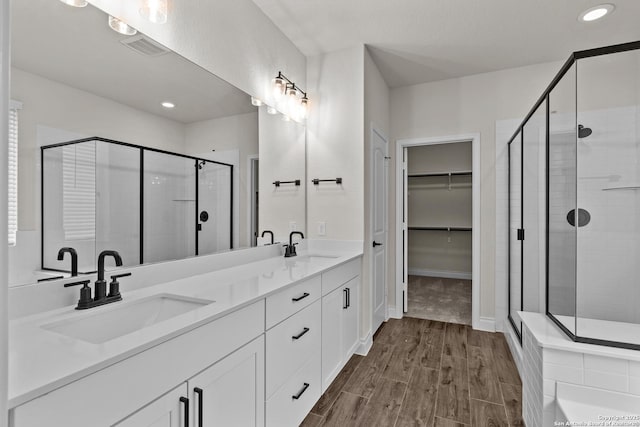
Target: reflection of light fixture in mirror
point(596, 12)
point(271, 110)
point(120, 27)
point(75, 3)
point(304, 106)
point(256, 102)
point(168, 104)
point(286, 118)
point(154, 10)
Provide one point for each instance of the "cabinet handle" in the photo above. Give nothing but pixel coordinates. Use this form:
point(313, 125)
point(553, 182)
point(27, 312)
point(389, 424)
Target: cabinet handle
point(303, 296)
point(199, 392)
point(301, 392)
point(304, 331)
point(344, 299)
point(185, 401)
point(348, 297)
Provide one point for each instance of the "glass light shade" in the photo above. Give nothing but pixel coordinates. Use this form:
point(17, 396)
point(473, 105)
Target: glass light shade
point(292, 91)
point(256, 102)
point(121, 27)
point(271, 110)
point(278, 86)
point(75, 3)
point(154, 10)
point(304, 107)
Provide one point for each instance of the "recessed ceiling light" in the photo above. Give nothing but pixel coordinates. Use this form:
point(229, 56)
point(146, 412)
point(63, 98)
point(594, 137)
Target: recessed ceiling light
point(168, 104)
point(596, 12)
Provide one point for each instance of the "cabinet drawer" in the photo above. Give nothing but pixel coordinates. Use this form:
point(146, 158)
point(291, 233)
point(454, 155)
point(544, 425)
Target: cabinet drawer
point(283, 409)
point(340, 275)
point(286, 354)
point(291, 300)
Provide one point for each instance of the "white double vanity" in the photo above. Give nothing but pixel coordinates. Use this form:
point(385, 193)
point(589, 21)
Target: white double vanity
point(254, 343)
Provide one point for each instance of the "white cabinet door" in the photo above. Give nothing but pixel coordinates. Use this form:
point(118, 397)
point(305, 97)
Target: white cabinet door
point(166, 411)
point(350, 319)
point(332, 306)
point(231, 392)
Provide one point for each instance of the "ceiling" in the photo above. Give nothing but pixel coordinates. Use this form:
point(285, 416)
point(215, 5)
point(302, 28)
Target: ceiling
point(419, 41)
point(75, 46)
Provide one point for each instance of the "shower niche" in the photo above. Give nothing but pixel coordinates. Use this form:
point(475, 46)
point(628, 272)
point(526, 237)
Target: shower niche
point(149, 205)
point(574, 201)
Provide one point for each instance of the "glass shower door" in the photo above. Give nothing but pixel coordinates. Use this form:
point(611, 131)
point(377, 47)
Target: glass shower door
point(214, 205)
point(515, 230)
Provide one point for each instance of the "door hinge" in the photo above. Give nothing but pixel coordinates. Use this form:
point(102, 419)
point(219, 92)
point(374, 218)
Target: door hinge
point(521, 234)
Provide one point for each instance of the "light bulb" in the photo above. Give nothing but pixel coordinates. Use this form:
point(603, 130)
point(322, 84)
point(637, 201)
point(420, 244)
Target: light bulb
point(278, 86)
point(75, 3)
point(256, 102)
point(271, 110)
point(154, 10)
point(304, 107)
point(121, 27)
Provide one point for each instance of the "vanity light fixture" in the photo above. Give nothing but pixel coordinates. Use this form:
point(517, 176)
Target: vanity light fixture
point(75, 3)
point(596, 12)
point(121, 27)
point(256, 102)
point(283, 85)
point(167, 104)
point(154, 10)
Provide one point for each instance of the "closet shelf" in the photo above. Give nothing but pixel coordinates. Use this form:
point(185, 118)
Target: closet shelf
point(452, 173)
point(440, 228)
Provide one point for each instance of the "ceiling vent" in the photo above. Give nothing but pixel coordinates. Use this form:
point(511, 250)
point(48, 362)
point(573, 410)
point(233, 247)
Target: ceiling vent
point(144, 46)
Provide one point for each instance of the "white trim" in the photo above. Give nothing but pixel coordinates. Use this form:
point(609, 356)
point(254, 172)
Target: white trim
point(392, 313)
point(401, 144)
point(375, 129)
point(250, 159)
point(365, 345)
point(487, 324)
point(463, 275)
point(515, 348)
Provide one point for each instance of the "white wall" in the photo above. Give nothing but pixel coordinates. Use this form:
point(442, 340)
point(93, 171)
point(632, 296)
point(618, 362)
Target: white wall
point(469, 105)
point(282, 158)
point(376, 115)
point(4, 112)
point(233, 39)
point(335, 144)
point(238, 132)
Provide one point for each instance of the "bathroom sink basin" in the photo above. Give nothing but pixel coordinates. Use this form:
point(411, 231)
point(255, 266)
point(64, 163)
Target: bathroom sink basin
point(110, 324)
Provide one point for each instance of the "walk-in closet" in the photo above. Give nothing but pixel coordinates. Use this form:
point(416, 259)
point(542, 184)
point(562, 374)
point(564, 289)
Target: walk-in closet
point(439, 251)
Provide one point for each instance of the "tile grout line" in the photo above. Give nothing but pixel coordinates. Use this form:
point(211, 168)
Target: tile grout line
point(444, 334)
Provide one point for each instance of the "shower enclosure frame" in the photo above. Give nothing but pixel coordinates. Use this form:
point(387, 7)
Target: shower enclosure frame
point(142, 149)
point(519, 135)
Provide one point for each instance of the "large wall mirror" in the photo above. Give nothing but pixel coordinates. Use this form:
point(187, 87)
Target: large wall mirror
point(125, 145)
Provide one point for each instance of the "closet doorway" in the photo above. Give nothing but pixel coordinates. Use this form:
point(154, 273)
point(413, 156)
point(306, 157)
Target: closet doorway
point(438, 219)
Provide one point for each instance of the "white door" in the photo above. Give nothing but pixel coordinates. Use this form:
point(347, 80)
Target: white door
point(378, 199)
point(231, 392)
point(166, 411)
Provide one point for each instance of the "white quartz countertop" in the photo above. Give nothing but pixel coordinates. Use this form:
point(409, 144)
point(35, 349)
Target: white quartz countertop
point(41, 361)
point(548, 335)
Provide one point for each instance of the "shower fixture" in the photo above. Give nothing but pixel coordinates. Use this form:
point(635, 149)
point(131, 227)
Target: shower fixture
point(584, 132)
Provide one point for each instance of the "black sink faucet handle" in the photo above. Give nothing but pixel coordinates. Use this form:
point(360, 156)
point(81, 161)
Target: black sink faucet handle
point(80, 283)
point(117, 276)
point(114, 285)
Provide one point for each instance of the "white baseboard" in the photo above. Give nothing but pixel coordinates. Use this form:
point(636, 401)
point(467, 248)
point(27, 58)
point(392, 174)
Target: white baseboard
point(393, 313)
point(365, 345)
point(487, 324)
point(463, 275)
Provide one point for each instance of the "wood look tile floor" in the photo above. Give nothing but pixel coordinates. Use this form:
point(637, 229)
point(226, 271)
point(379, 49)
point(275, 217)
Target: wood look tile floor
point(425, 373)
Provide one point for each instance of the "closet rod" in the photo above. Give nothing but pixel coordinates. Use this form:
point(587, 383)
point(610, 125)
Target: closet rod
point(441, 228)
point(422, 175)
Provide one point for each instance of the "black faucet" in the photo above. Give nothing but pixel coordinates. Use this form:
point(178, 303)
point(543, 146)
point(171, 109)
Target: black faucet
point(270, 232)
point(101, 285)
point(74, 259)
point(290, 249)
point(100, 296)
